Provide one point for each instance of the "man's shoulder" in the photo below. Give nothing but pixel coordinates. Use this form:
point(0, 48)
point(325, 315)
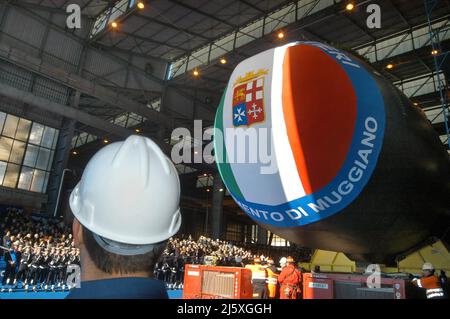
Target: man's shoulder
point(120, 288)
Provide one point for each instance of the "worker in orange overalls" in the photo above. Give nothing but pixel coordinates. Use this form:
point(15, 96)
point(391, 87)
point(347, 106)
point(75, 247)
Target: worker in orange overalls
point(290, 280)
point(272, 279)
point(430, 282)
point(259, 277)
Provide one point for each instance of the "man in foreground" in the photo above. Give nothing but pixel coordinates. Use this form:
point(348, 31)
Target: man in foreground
point(126, 207)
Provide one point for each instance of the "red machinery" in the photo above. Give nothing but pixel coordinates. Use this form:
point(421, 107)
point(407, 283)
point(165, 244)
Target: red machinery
point(213, 282)
point(349, 286)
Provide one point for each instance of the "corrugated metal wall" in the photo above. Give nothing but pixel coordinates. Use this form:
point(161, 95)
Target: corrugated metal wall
point(30, 112)
point(63, 49)
point(20, 26)
point(40, 86)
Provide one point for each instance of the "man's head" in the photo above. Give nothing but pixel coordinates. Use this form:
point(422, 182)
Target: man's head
point(123, 230)
point(110, 263)
point(283, 262)
point(428, 269)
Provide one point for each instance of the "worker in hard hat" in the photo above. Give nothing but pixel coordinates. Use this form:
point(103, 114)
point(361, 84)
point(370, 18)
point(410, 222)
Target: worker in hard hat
point(259, 276)
point(126, 207)
point(430, 282)
point(272, 279)
point(282, 263)
point(290, 280)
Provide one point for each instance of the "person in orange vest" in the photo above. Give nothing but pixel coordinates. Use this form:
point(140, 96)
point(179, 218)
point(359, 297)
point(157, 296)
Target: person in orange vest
point(259, 276)
point(430, 282)
point(289, 279)
point(272, 279)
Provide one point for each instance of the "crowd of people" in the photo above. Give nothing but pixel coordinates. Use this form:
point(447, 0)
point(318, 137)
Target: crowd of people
point(36, 251)
point(267, 278)
point(186, 250)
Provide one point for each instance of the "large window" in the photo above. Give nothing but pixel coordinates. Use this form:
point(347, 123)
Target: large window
point(234, 232)
point(111, 14)
point(26, 153)
point(277, 241)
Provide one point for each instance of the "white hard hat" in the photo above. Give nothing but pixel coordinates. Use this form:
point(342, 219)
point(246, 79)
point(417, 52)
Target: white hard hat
point(129, 193)
point(283, 260)
point(427, 266)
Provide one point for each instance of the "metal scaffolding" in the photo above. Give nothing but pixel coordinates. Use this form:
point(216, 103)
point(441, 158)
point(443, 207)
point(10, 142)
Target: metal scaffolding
point(439, 57)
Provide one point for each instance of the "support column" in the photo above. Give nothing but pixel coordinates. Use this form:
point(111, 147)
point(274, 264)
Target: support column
point(262, 236)
point(248, 233)
point(217, 207)
point(162, 130)
point(60, 161)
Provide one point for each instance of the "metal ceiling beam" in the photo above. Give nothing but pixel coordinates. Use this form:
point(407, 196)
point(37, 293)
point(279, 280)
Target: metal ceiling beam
point(85, 43)
point(33, 6)
point(123, 62)
point(76, 82)
point(133, 91)
point(138, 37)
point(87, 4)
point(415, 54)
point(403, 32)
point(236, 51)
point(63, 110)
point(200, 89)
point(236, 29)
point(168, 25)
point(160, 14)
point(309, 33)
point(251, 5)
point(103, 47)
point(264, 38)
point(304, 26)
point(401, 15)
point(203, 13)
point(349, 18)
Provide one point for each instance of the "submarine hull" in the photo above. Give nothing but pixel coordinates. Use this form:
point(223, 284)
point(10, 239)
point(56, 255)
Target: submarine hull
point(378, 187)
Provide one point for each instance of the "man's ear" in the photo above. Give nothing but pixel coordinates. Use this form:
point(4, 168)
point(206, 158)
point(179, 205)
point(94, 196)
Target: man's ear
point(77, 233)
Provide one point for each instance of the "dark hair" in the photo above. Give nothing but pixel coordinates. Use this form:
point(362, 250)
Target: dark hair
point(113, 263)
